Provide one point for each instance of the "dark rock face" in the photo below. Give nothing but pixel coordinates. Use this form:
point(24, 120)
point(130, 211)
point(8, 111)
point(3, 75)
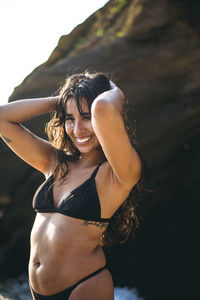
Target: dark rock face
point(153, 49)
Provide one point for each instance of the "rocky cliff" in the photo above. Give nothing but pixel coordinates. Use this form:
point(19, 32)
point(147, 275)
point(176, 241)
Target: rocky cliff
point(152, 48)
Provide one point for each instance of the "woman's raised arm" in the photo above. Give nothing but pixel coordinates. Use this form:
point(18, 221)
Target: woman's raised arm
point(109, 127)
point(32, 149)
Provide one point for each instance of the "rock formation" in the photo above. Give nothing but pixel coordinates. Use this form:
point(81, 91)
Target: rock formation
point(152, 48)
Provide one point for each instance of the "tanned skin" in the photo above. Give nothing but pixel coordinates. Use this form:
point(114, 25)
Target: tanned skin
point(64, 249)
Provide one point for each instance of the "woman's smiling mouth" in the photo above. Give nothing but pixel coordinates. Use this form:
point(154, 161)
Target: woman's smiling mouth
point(83, 140)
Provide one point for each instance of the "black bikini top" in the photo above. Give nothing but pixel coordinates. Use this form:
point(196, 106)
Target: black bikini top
point(81, 203)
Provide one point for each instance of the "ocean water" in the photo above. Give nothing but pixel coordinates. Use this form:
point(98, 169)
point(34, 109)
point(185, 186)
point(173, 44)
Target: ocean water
point(18, 289)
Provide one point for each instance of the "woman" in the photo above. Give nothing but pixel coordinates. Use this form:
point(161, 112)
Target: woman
point(90, 168)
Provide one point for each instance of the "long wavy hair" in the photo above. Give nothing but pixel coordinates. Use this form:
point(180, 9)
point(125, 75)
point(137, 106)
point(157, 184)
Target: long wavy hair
point(89, 85)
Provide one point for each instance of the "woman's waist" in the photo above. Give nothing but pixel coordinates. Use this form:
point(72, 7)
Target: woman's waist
point(53, 251)
point(50, 274)
point(49, 255)
point(62, 238)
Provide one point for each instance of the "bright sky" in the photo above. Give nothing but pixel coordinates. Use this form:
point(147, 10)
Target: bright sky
point(30, 30)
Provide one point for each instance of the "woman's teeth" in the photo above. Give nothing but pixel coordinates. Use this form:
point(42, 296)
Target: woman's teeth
point(83, 140)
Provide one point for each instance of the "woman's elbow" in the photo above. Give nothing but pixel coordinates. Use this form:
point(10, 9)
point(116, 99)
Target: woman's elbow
point(101, 107)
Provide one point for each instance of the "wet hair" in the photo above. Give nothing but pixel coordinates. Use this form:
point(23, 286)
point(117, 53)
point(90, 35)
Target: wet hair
point(89, 86)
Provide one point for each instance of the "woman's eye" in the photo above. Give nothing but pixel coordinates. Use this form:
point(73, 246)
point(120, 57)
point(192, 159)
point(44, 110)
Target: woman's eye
point(86, 117)
point(69, 119)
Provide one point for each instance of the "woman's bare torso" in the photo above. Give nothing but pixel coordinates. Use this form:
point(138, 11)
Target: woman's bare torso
point(63, 251)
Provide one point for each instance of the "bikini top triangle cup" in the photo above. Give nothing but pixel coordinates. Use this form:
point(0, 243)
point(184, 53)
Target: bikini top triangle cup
point(81, 203)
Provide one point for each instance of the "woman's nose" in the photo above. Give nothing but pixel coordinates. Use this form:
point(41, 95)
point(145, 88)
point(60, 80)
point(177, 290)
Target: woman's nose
point(78, 128)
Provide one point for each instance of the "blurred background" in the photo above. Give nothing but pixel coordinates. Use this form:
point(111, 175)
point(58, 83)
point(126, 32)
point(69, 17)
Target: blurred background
point(152, 50)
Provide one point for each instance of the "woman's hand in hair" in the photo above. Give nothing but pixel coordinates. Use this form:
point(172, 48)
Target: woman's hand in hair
point(112, 84)
point(120, 97)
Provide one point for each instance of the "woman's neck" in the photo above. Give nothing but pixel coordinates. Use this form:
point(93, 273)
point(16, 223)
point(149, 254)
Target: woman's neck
point(92, 159)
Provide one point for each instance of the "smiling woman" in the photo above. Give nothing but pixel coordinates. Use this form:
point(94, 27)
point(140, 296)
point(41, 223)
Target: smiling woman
point(71, 131)
point(78, 126)
point(71, 124)
point(87, 198)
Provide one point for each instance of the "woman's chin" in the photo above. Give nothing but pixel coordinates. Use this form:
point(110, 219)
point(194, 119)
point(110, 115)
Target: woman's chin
point(88, 149)
point(85, 150)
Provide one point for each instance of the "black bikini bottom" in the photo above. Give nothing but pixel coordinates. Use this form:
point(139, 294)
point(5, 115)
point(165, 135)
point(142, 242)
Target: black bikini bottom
point(63, 295)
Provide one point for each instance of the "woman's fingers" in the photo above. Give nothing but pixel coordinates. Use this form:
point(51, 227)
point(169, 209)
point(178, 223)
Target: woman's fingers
point(112, 84)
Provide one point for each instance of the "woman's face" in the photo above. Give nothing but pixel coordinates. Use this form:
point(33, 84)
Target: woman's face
point(79, 127)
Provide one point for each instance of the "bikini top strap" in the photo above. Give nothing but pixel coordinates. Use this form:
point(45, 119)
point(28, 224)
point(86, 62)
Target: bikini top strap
point(95, 172)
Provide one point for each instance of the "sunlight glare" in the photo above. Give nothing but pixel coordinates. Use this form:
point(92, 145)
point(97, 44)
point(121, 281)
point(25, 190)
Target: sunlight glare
point(30, 30)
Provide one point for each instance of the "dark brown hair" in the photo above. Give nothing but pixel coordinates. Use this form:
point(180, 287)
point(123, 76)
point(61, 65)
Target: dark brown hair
point(89, 86)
